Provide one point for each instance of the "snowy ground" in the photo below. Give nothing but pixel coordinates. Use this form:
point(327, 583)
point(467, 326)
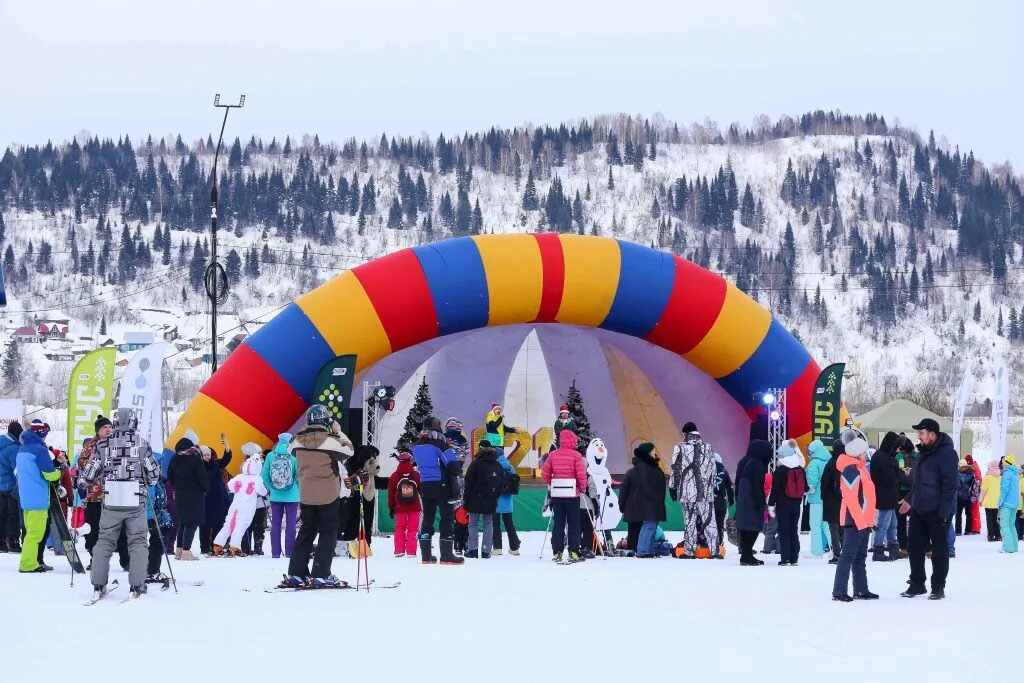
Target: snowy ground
point(519, 618)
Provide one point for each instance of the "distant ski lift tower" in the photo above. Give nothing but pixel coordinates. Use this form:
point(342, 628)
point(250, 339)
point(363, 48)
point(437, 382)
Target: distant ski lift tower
point(216, 277)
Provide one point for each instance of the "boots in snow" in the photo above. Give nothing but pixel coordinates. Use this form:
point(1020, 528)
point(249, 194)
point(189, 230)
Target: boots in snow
point(135, 592)
point(427, 551)
point(511, 552)
point(866, 595)
point(557, 557)
point(496, 551)
point(234, 552)
point(878, 554)
point(187, 556)
point(895, 553)
point(471, 554)
point(448, 555)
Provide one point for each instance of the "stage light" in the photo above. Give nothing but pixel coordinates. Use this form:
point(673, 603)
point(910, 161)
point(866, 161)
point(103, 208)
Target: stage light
point(768, 398)
point(775, 416)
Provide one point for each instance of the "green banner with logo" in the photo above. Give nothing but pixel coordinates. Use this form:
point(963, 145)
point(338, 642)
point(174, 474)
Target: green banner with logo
point(828, 393)
point(333, 387)
point(90, 394)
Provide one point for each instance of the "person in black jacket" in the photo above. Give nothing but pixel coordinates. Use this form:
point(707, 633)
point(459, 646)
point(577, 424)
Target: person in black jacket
point(484, 480)
point(642, 497)
point(906, 462)
point(830, 500)
point(724, 495)
point(187, 474)
point(750, 499)
point(217, 499)
point(931, 503)
point(883, 476)
point(782, 506)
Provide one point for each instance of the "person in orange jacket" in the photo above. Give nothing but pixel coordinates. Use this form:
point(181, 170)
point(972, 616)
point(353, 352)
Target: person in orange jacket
point(976, 500)
point(857, 517)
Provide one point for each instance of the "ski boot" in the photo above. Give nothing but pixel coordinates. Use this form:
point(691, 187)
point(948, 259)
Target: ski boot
point(427, 552)
point(135, 592)
point(160, 578)
point(574, 557)
point(291, 581)
point(557, 558)
point(331, 581)
point(448, 555)
point(41, 569)
point(234, 552)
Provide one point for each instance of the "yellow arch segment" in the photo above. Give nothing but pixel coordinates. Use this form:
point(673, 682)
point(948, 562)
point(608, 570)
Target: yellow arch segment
point(209, 420)
point(343, 313)
point(741, 326)
point(591, 279)
point(515, 277)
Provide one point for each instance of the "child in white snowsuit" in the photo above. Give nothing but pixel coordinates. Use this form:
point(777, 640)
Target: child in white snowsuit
point(247, 488)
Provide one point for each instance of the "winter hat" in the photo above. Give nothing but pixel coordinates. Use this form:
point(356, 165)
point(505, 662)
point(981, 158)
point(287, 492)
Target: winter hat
point(250, 449)
point(100, 423)
point(183, 444)
point(970, 459)
point(191, 435)
point(644, 450)
point(405, 456)
point(963, 463)
point(320, 415)
point(788, 448)
point(905, 445)
point(568, 440)
point(993, 468)
point(854, 442)
point(39, 427)
point(284, 438)
point(453, 425)
point(689, 427)
point(838, 448)
point(1008, 460)
point(484, 443)
point(15, 429)
point(495, 406)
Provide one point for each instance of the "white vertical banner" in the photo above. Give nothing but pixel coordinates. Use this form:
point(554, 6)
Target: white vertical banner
point(141, 391)
point(1000, 408)
point(963, 395)
point(11, 410)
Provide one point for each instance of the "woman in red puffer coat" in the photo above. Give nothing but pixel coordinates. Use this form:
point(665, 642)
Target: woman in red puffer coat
point(566, 463)
point(404, 505)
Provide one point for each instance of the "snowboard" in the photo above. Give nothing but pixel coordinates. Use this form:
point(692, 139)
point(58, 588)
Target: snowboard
point(67, 541)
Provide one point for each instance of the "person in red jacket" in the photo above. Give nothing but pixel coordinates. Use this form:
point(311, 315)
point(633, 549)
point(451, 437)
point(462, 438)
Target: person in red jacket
point(404, 505)
point(565, 464)
point(975, 526)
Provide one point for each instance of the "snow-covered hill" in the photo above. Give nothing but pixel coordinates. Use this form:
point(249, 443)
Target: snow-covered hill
point(870, 273)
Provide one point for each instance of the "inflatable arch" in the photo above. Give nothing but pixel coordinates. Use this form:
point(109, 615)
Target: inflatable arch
point(413, 295)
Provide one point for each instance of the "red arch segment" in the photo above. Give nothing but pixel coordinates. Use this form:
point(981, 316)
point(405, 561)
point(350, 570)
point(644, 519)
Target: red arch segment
point(552, 261)
point(693, 307)
point(398, 291)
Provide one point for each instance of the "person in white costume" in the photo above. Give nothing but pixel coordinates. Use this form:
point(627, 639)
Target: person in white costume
point(247, 487)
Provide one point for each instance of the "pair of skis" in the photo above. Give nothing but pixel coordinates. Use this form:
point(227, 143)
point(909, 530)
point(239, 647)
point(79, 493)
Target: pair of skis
point(344, 585)
point(114, 585)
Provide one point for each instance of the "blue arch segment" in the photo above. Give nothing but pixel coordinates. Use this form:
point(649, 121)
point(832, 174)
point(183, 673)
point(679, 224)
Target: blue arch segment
point(646, 278)
point(294, 348)
point(458, 284)
point(777, 362)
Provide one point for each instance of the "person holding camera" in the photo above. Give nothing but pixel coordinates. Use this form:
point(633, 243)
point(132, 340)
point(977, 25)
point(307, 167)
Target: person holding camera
point(126, 463)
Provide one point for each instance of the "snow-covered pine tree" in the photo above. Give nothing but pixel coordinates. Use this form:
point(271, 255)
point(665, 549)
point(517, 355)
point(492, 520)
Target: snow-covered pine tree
point(574, 402)
point(422, 408)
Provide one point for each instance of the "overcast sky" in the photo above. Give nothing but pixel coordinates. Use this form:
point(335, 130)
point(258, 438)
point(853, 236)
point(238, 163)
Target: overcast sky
point(115, 67)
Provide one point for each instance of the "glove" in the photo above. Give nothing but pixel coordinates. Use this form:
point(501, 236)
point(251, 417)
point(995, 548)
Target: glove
point(391, 511)
point(61, 492)
point(673, 495)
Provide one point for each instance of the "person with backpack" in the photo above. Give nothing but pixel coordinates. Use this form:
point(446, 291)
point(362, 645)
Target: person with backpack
point(857, 515)
point(484, 484)
point(884, 477)
point(404, 504)
point(503, 515)
point(815, 469)
point(693, 485)
point(964, 489)
point(439, 474)
point(281, 477)
point(566, 478)
point(789, 486)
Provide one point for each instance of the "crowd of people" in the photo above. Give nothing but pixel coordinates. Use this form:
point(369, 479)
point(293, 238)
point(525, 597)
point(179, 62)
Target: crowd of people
point(893, 502)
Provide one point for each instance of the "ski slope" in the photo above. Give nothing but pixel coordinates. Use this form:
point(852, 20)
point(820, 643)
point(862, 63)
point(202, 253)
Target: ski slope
point(522, 619)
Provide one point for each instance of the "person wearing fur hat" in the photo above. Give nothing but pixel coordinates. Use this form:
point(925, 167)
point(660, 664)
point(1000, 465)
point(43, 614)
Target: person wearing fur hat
point(693, 486)
point(883, 475)
point(187, 474)
point(320, 449)
point(245, 488)
point(404, 504)
point(789, 484)
point(564, 421)
point(440, 470)
point(990, 491)
point(931, 504)
point(10, 510)
point(1009, 500)
point(857, 516)
point(751, 503)
point(281, 477)
point(36, 473)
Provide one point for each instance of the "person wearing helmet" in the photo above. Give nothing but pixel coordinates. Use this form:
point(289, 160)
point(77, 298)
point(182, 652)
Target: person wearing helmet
point(36, 473)
point(126, 464)
point(321, 450)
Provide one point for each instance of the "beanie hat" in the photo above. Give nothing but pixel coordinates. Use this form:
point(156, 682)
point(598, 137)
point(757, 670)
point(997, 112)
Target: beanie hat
point(689, 427)
point(495, 405)
point(789, 447)
point(183, 444)
point(404, 456)
point(855, 443)
point(39, 427)
point(963, 463)
point(644, 450)
point(563, 409)
point(100, 423)
point(484, 443)
point(1008, 460)
point(431, 424)
point(250, 449)
point(15, 429)
point(284, 437)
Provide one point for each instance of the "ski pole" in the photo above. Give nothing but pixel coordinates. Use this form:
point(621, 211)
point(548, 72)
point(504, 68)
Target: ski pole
point(545, 541)
point(596, 540)
point(159, 532)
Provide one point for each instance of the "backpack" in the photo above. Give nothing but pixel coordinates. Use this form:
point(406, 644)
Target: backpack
point(406, 491)
point(491, 486)
point(510, 484)
point(796, 483)
point(281, 475)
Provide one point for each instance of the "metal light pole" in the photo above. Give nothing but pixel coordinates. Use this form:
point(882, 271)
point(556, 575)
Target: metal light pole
point(216, 277)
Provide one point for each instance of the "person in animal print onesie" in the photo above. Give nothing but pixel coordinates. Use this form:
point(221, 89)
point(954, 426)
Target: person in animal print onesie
point(693, 486)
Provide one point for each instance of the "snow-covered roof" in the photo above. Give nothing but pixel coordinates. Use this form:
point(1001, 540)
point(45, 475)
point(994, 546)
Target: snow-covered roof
point(25, 331)
point(138, 337)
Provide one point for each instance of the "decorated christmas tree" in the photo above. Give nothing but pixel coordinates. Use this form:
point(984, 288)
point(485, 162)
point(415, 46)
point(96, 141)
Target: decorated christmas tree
point(574, 402)
point(422, 408)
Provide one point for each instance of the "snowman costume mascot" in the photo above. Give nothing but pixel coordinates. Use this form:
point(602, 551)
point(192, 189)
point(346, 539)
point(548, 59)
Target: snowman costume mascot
point(608, 513)
point(247, 487)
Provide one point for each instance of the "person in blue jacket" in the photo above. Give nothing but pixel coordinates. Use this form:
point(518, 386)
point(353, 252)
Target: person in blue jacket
point(1009, 499)
point(504, 514)
point(439, 473)
point(820, 456)
point(10, 510)
point(281, 477)
point(35, 474)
